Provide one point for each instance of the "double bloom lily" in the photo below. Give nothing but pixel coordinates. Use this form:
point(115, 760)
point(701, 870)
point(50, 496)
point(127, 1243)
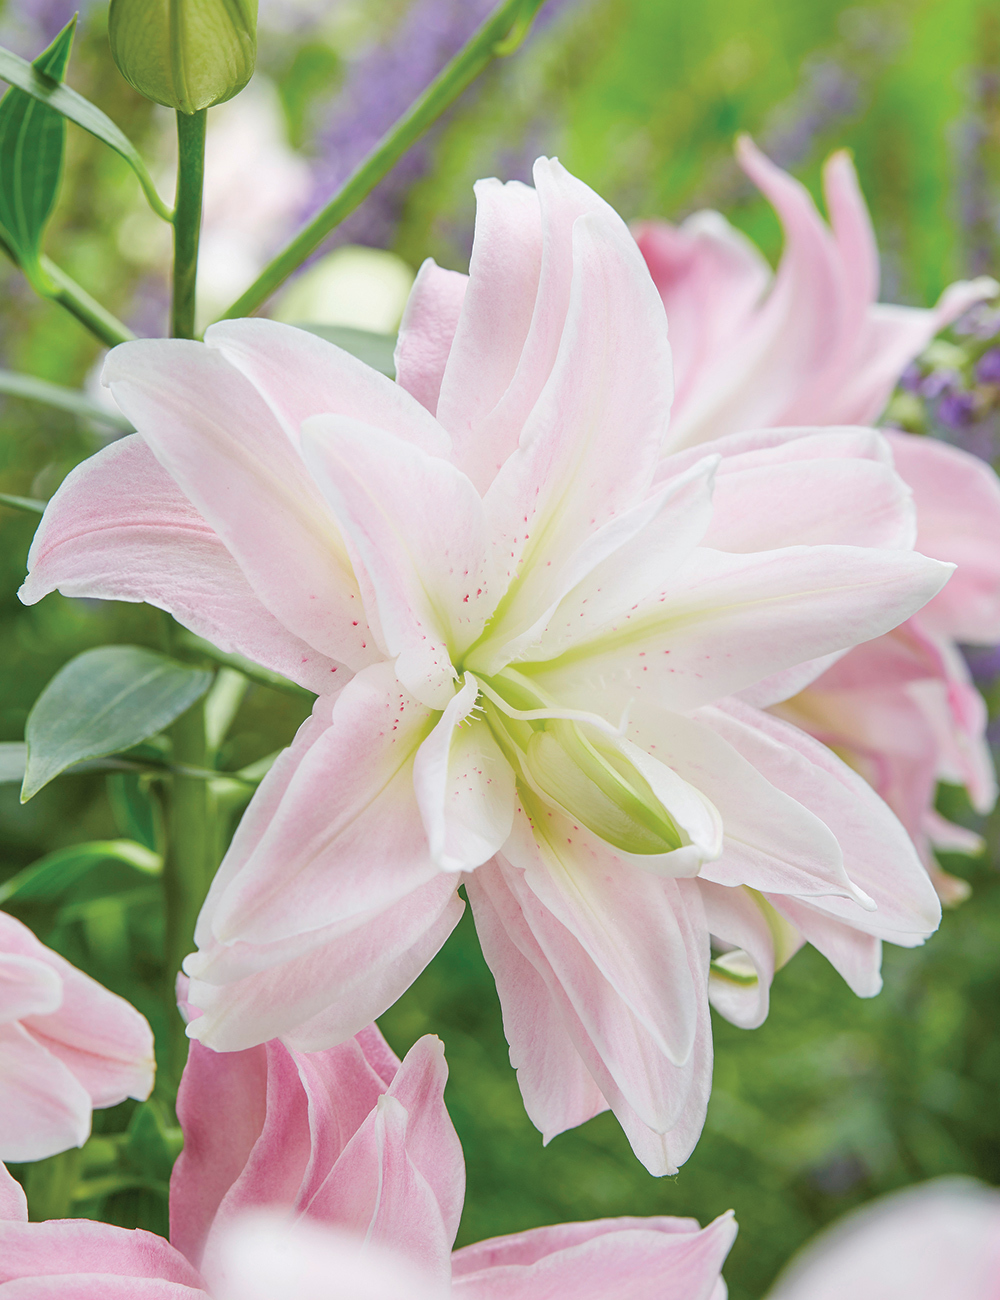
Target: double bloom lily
point(542, 644)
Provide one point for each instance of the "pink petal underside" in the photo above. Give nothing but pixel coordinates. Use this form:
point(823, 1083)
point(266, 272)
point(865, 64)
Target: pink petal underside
point(590, 446)
point(221, 1106)
point(793, 340)
point(770, 840)
point(299, 374)
point(856, 956)
point(27, 986)
point(464, 786)
point(44, 1109)
point(734, 917)
point(101, 1038)
point(400, 1179)
point(936, 1241)
point(878, 854)
point(957, 497)
point(710, 277)
point(559, 1091)
point(631, 1259)
point(344, 836)
point(672, 1098)
point(214, 434)
point(478, 404)
point(757, 448)
point(623, 918)
point(319, 989)
point(427, 331)
point(377, 1192)
point(119, 528)
point(65, 1248)
point(342, 1086)
point(722, 623)
point(417, 524)
point(888, 341)
point(13, 1203)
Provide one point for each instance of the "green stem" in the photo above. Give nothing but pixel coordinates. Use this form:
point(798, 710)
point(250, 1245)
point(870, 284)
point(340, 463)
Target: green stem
point(511, 19)
point(88, 311)
point(187, 219)
point(190, 860)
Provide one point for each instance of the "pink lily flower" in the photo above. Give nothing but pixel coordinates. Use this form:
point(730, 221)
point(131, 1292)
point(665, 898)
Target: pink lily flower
point(67, 1046)
point(339, 1173)
point(937, 1241)
point(810, 345)
point(544, 619)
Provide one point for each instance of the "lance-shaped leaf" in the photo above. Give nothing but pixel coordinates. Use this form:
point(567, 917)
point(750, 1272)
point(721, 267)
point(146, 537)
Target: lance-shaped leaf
point(102, 702)
point(52, 875)
point(26, 77)
point(66, 399)
point(375, 350)
point(13, 760)
point(32, 145)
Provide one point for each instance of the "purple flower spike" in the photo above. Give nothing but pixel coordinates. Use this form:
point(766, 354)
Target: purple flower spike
point(955, 410)
point(988, 367)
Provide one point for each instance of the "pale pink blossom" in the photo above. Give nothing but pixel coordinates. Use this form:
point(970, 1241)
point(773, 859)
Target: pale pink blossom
point(337, 1175)
point(67, 1046)
point(936, 1241)
point(545, 621)
point(811, 345)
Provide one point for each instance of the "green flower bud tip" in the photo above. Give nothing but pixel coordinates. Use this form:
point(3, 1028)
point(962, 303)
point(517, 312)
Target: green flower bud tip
point(186, 54)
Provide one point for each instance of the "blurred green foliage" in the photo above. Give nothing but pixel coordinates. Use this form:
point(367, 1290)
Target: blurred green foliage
point(834, 1100)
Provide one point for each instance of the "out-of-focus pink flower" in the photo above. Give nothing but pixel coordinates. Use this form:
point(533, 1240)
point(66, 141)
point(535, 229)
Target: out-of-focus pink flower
point(338, 1174)
point(809, 345)
point(67, 1045)
point(903, 708)
point(937, 1241)
point(544, 618)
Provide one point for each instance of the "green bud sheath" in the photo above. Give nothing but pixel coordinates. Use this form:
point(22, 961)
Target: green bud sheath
point(186, 54)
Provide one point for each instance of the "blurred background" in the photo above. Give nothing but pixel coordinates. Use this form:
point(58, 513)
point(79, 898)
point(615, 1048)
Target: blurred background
point(834, 1100)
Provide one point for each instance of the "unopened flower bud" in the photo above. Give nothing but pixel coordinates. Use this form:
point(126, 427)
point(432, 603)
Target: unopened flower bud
point(186, 54)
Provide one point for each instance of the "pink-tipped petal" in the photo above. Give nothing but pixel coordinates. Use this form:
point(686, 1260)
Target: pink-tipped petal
point(878, 854)
point(27, 987)
point(119, 528)
point(632, 1259)
point(341, 800)
point(464, 786)
point(217, 438)
point(427, 331)
point(856, 956)
point(322, 992)
point(430, 569)
point(299, 375)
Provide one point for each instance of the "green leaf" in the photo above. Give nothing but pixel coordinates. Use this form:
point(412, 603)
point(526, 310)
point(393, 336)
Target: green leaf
point(13, 760)
point(49, 877)
point(66, 399)
point(76, 109)
point(375, 350)
point(153, 1145)
point(32, 144)
point(102, 702)
point(135, 808)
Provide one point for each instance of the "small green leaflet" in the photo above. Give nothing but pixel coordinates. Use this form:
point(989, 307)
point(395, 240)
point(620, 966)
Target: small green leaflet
point(27, 78)
point(66, 399)
point(102, 702)
point(49, 877)
point(32, 144)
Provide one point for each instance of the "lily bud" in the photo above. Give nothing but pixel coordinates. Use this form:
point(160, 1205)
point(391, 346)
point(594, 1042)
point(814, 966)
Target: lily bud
point(186, 54)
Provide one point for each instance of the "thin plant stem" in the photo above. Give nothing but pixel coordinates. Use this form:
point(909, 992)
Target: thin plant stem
point(499, 35)
point(187, 219)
